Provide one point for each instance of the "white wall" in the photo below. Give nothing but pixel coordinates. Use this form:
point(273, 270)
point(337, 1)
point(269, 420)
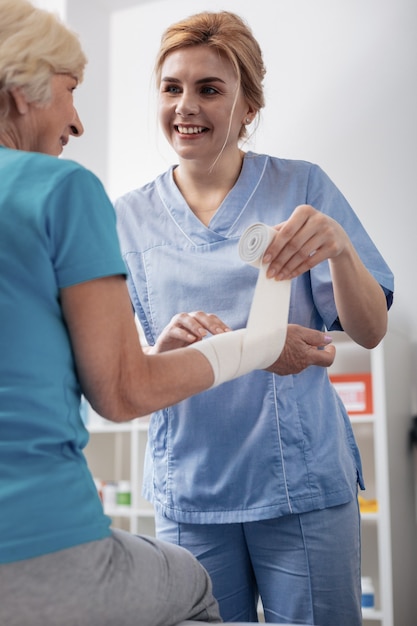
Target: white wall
point(56, 6)
point(341, 91)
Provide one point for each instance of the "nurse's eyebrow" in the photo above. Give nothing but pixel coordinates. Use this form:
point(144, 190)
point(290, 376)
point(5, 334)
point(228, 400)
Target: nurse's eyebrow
point(208, 79)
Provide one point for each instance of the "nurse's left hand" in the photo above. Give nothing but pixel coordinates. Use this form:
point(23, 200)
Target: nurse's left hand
point(303, 347)
point(306, 239)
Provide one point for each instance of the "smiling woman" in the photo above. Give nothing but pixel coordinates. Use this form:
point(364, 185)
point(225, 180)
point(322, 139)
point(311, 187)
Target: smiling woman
point(286, 464)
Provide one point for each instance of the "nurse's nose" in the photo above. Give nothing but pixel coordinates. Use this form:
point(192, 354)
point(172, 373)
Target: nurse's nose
point(187, 105)
point(76, 127)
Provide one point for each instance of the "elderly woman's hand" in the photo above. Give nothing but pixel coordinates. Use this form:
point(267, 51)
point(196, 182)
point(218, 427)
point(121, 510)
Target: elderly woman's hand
point(187, 328)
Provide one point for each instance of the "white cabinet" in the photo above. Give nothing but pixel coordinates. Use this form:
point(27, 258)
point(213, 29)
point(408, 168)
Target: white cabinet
point(115, 453)
point(389, 538)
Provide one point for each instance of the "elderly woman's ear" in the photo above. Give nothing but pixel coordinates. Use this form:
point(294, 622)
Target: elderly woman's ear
point(19, 99)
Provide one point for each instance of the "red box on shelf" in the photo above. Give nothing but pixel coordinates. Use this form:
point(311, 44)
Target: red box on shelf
point(355, 391)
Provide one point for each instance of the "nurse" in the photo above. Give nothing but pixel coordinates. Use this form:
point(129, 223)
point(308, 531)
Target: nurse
point(258, 477)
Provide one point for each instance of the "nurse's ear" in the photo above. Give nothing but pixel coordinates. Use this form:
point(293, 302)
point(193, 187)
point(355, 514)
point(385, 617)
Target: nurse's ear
point(249, 116)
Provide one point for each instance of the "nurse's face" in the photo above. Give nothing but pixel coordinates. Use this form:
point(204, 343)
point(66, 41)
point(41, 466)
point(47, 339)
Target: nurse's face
point(201, 105)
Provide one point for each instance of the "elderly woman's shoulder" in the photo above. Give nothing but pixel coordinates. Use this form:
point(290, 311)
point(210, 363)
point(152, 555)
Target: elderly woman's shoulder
point(57, 166)
point(41, 171)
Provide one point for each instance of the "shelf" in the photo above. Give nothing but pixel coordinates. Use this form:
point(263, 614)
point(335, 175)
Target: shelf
point(372, 615)
point(388, 538)
point(366, 418)
point(129, 513)
point(370, 517)
point(102, 426)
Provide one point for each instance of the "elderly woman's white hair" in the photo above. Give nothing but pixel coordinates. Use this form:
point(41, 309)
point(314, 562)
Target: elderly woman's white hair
point(34, 45)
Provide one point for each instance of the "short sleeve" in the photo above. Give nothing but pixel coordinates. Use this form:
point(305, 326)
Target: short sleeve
point(81, 229)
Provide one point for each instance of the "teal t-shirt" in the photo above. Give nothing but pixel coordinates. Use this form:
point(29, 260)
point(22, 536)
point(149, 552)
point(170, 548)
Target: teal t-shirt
point(57, 228)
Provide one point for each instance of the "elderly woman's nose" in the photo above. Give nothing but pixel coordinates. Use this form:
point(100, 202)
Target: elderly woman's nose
point(76, 127)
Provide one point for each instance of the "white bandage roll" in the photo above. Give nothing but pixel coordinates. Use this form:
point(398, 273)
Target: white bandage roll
point(266, 329)
point(254, 242)
point(257, 346)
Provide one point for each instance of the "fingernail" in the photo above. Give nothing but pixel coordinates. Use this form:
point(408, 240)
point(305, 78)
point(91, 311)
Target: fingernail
point(328, 339)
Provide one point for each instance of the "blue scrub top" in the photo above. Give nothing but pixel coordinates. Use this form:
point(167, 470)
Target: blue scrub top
point(263, 445)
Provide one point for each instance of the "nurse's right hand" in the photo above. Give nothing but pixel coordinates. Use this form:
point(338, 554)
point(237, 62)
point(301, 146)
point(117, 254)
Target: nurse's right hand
point(187, 328)
point(303, 347)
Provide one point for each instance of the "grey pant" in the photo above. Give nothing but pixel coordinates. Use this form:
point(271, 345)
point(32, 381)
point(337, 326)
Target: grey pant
point(120, 581)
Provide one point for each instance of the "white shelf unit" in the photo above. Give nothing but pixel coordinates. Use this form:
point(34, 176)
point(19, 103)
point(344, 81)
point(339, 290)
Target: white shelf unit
point(116, 452)
point(389, 538)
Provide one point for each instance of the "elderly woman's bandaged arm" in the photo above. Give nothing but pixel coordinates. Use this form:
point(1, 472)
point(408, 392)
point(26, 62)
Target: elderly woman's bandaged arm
point(257, 346)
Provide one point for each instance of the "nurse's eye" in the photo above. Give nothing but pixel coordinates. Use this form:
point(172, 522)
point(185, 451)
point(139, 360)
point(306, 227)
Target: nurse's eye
point(174, 89)
point(209, 91)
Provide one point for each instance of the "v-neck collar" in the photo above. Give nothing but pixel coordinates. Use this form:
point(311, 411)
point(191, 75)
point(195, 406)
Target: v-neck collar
point(222, 223)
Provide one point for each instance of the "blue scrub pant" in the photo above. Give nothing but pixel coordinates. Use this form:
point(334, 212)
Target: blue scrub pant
point(305, 568)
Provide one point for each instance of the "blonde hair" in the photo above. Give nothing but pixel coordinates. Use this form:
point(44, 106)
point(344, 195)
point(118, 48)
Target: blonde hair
point(34, 45)
point(227, 33)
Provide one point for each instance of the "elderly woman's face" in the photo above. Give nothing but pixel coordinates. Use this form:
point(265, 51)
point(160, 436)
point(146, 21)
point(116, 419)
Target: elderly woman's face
point(52, 125)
